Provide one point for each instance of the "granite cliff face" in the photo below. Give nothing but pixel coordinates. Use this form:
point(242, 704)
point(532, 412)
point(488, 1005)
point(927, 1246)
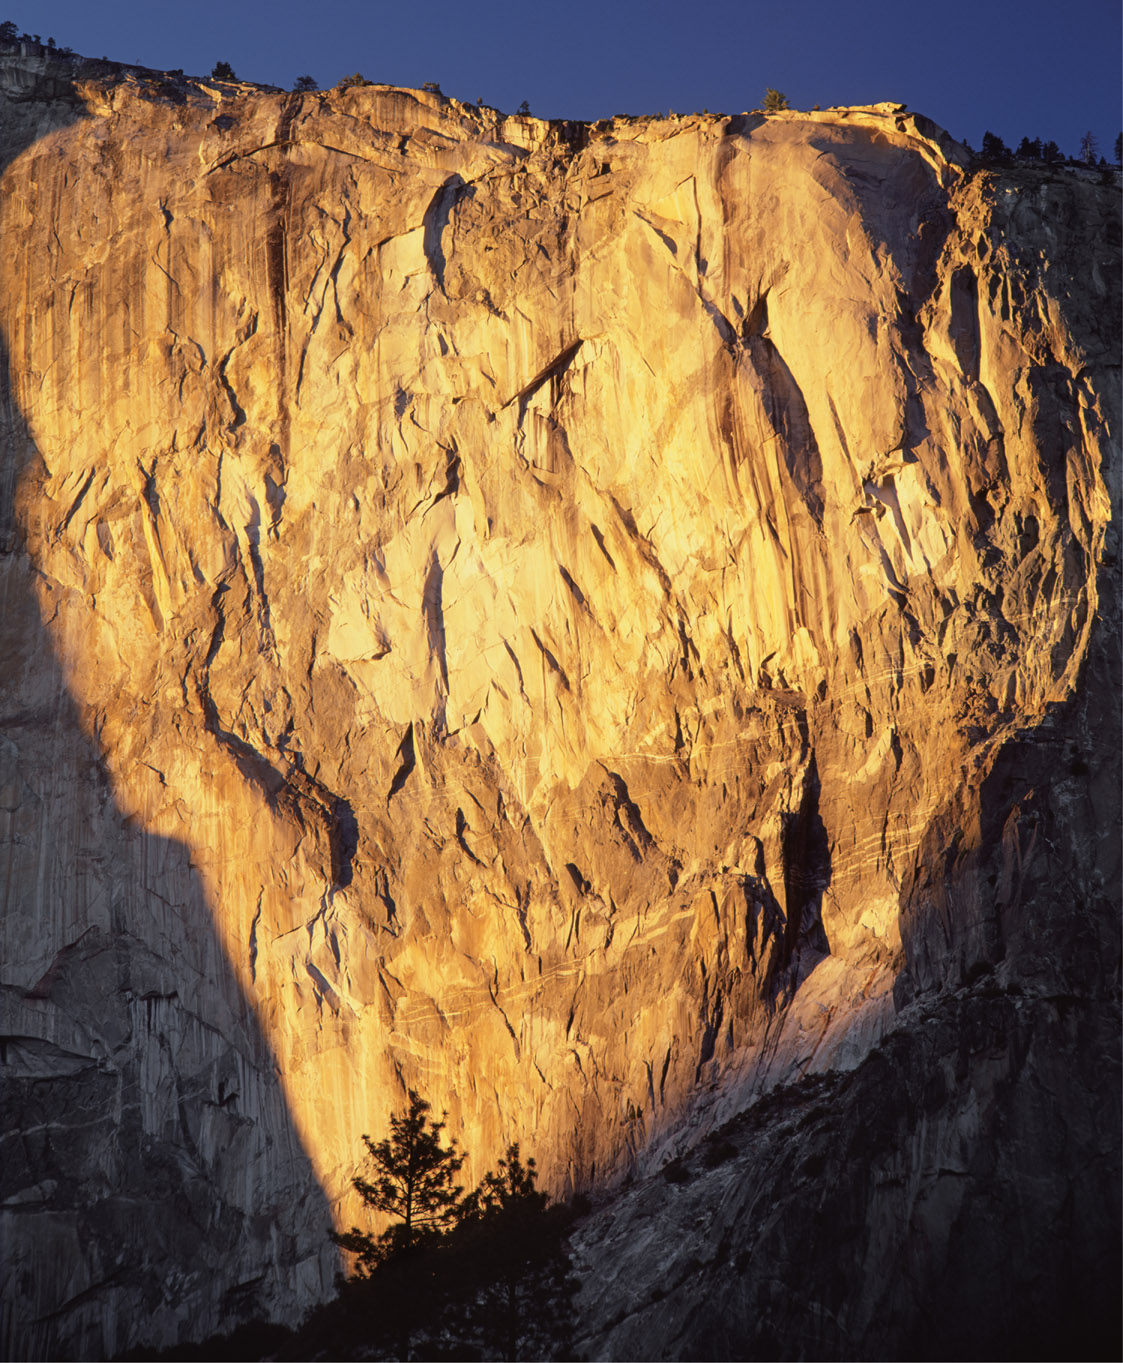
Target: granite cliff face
point(596, 623)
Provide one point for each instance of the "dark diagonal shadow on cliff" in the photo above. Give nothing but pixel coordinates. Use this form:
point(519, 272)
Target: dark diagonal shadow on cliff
point(152, 1183)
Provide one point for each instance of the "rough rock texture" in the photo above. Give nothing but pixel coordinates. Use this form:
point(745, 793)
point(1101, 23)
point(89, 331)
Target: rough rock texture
point(152, 1183)
point(594, 623)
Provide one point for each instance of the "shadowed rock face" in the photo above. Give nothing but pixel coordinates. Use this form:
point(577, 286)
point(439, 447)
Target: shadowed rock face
point(617, 619)
point(956, 1195)
point(152, 1183)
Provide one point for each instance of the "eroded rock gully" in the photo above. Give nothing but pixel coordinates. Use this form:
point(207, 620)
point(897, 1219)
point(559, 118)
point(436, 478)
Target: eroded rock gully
point(597, 623)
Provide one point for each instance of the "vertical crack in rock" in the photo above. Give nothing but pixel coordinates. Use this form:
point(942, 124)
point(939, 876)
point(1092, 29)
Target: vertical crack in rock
point(552, 371)
point(628, 819)
point(461, 837)
point(712, 1017)
point(575, 591)
point(253, 941)
point(963, 323)
point(239, 415)
point(787, 411)
point(452, 477)
point(551, 661)
point(432, 608)
point(335, 815)
point(407, 763)
point(79, 499)
point(294, 789)
point(435, 221)
point(806, 861)
point(599, 537)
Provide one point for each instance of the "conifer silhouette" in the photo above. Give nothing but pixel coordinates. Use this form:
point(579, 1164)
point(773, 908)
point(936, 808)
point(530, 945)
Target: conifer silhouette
point(412, 1182)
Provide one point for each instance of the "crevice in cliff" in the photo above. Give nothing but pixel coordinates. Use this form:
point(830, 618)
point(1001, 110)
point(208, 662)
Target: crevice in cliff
point(492, 989)
point(576, 592)
point(806, 861)
point(277, 277)
point(663, 1076)
point(518, 670)
point(257, 567)
point(275, 492)
point(322, 989)
point(668, 241)
point(337, 817)
point(712, 1016)
point(963, 319)
point(289, 110)
point(452, 482)
point(786, 409)
point(283, 144)
point(554, 369)
point(551, 661)
point(602, 546)
point(92, 1293)
point(644, 546)
point(522, 909)
point(77, 502)
point(253, 939)
point(627, 818)
point(434, 222)
point(580, 884)
point(432, 609)
point(406, 765)
point(295, 789)
point(220, 372)
point(462, 837)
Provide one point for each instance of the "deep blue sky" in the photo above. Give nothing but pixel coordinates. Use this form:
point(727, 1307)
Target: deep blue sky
point(1047, 68)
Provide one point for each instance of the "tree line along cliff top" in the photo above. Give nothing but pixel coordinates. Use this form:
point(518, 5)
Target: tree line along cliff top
point(65, 65)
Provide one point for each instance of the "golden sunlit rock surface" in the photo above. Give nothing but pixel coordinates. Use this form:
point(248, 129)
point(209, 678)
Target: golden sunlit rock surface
point(508, 609)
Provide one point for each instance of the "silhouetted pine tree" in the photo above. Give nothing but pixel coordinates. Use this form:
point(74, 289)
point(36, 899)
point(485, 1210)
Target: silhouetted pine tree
point(412, 1182)
point(482, 1276)
point(994, 149)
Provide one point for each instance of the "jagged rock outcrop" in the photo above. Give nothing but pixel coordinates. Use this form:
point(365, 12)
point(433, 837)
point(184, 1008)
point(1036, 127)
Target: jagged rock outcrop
point(596, 623)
